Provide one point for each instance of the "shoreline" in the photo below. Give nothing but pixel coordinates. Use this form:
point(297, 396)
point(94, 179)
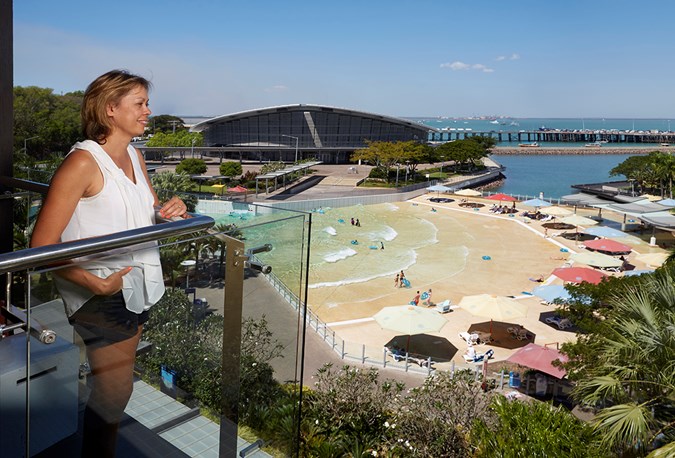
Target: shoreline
point(512, 150)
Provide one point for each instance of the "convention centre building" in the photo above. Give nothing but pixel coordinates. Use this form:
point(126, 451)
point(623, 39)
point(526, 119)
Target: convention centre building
point(295, 132)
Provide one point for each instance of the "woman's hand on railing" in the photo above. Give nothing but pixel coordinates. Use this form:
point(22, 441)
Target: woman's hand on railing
point(173, 208)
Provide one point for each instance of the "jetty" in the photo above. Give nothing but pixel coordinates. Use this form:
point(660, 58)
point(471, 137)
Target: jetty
point(559, 136)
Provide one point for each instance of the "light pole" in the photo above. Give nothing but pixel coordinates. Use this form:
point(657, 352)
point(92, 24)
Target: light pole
point(192, 152)
point(25, 146)
point(397, 167)
point(296, 145)
point(407, 168)
point(442, 160)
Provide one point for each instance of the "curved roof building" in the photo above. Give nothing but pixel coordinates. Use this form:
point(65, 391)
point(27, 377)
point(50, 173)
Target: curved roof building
point(325, 133)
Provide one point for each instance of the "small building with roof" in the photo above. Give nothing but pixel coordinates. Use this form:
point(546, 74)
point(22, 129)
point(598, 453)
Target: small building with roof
point(296, 132)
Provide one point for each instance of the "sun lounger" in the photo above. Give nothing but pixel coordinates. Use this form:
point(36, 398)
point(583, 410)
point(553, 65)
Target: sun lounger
point(480, 357)
point(400, 355)
point(469, 338)
point(562, 323)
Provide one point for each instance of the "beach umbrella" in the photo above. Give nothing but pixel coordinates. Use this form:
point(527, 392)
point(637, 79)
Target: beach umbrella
point(632, 273)
point(607, 245)
point(502, 197)
point(536, 203)
point(557, 211)
point(604, 231)
point(468, 193)
point(237, 188)
point(591, 258)
point(667, 202)
point(579, 274)
point(494, 307)
point(652, 259)
point(539, 358)
point(410, 319)
point(578, 220)
point(500, 333)
point(439, 188)
point(550, 293)
point(221, 186)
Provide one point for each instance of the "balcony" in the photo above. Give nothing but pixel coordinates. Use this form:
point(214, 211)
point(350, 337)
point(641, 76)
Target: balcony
point(221, 350)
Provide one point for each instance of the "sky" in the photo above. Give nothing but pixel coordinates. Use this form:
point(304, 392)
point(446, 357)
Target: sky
point(455, 58)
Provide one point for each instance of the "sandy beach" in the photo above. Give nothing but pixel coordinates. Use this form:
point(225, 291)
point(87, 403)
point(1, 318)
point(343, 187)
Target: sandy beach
point(518, 251)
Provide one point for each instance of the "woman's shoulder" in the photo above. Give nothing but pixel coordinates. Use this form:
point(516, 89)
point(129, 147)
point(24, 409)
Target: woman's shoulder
point(80, 163)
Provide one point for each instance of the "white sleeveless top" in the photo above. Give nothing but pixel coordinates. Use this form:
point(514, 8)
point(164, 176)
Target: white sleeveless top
point(119, 206)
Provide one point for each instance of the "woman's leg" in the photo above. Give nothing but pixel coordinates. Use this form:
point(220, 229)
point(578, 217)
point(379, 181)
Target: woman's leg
point(112, 383)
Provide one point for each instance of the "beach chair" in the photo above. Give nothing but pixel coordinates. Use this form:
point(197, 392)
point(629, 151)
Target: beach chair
point(480, 357)
point(443, 307)
point(562, 323)
point(469, 338)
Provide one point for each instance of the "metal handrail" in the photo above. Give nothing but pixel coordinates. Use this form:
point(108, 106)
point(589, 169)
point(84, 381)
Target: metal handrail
point(48, 254)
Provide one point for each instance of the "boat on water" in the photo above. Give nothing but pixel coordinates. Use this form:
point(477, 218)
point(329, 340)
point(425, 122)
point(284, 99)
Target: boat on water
point(529, 145)
point(665, 144)
point(593, 145)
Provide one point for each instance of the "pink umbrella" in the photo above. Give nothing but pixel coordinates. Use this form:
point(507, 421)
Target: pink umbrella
point(579, 274)
point(610, 246)
point(502, 197)
point(539, 358)
point(237, 188)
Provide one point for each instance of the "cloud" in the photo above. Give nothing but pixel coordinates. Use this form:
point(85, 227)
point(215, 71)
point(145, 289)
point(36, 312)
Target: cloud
point(277, 88)
point(457, 66)
point(514, 56)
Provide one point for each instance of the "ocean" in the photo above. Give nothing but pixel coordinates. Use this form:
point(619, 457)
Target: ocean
point(529, 175)
point(553, 175)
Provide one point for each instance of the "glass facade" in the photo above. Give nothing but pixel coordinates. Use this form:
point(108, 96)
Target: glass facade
point(318, 129)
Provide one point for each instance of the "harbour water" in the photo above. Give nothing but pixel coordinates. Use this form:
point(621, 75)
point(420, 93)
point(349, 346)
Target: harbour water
point(507, 124)
point(553, 175)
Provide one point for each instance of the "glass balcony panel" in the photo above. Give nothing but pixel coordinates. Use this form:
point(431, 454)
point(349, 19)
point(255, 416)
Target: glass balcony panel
point(181, 381)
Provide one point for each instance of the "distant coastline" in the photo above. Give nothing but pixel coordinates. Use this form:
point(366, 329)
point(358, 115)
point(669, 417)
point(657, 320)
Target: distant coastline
point(510, 150)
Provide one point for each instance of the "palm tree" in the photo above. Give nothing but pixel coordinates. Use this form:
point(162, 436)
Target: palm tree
point(635, 371)
point(168, 184)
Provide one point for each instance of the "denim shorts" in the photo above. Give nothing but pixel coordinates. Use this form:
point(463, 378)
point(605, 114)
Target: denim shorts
point(104, 320)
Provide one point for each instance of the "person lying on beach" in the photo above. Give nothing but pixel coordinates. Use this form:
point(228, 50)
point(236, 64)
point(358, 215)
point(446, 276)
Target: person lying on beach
point(539, 279)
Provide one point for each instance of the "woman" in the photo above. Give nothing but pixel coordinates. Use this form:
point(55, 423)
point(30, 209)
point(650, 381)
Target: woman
point(103, 187)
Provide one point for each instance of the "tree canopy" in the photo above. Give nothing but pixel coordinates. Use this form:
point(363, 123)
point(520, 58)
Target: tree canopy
point(166, 123)
point(385, 155)
point(45, 122)
point(180, 138)
point(651, 173)
point(625, 362)
point(467, 151)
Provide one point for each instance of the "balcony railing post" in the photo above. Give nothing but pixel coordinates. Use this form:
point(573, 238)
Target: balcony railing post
point(235, 258)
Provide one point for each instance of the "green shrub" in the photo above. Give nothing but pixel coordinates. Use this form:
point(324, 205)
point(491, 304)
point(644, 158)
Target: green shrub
point(191, 166)
point(230, 168)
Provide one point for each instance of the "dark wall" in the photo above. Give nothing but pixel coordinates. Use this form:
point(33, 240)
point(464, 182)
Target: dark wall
point(6, 117)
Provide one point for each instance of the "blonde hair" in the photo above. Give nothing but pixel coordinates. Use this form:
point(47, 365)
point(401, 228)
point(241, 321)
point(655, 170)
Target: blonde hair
point(108, 88)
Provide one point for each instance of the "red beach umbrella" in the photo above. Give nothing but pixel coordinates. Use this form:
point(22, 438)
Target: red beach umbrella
point(608, 245)
point(237, 188)
point(539, 358)
point(579, 274)
point(502, 197)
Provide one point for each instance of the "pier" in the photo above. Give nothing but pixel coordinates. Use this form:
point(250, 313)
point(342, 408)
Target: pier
point(557, 135)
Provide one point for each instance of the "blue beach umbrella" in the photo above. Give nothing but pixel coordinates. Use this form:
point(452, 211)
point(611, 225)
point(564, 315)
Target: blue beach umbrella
point(667, 202)
point(535, 203)
point(632, 273)
point(604, 231)
point(550, 293)
point(439, 188)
